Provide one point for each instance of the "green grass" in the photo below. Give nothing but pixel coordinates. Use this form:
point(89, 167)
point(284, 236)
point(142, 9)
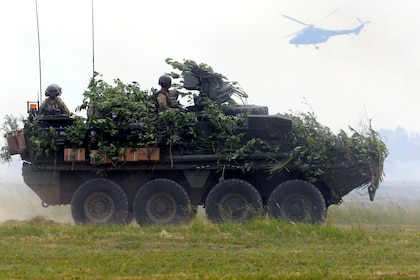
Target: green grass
point(354, 243)
point(388, 213)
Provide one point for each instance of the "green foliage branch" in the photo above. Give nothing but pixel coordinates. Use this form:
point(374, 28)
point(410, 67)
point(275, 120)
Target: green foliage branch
point(223, 137)
point(113, 109)
point(221, 132)
point(181, 68)
point(44, 143)
point(317, 150)
point(76, 133)
point(124, 106)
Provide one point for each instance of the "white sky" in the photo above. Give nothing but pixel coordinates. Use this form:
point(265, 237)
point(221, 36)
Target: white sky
point(348, 79)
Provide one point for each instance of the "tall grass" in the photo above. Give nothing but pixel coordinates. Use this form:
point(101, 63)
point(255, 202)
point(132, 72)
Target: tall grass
point(354, 243)
point(385, 213)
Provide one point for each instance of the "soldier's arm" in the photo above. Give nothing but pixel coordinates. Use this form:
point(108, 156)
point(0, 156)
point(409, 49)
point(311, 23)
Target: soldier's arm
point(64, 108)
point(42, 109)
point(162, 102)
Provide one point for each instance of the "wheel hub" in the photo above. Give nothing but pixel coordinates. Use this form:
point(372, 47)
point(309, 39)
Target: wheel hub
point(232, 207)
point(99, 207)
point(296, 208)
point(161, 208)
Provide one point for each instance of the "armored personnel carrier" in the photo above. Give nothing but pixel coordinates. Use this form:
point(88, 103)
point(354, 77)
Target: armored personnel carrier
point(128, 163)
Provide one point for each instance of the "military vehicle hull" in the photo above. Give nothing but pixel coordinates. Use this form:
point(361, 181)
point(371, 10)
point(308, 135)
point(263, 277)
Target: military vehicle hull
point(165, 186)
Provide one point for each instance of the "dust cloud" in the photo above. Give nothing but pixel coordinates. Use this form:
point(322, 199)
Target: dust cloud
point(19, 202)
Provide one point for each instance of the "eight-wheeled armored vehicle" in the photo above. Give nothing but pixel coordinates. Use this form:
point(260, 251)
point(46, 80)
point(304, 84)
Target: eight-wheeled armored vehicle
point(164, 181)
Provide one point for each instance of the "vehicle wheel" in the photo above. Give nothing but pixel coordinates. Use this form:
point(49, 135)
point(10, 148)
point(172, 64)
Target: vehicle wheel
point(162, 201)
point(297, 201)
point(233, 200)
point(99, 201)
point(245, 109)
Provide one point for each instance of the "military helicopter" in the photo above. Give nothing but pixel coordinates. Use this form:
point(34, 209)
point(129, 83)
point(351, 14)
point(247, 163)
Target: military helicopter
point(312, 35)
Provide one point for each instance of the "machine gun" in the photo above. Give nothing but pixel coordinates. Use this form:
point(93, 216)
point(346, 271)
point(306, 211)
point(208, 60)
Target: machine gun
point(211, 85)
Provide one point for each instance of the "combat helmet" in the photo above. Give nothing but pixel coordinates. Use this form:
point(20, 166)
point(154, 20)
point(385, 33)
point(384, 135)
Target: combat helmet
point(165, 81)
point(53, 89)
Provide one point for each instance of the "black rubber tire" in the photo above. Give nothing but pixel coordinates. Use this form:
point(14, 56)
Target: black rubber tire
point(245, 109)
point(297, 201)
point(233, 201)
point(99, 201)
point(162, 201)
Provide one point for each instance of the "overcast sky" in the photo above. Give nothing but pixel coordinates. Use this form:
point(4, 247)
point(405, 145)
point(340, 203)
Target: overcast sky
point(374, 75)
point(348, 80)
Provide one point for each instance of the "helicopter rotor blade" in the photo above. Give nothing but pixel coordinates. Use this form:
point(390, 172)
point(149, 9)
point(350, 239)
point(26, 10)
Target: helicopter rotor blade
point(363, 22)
point(298, 21)
point(330, 14)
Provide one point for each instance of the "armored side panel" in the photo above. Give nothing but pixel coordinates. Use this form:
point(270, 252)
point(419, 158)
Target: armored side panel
point(344, 180)
point(268, 127)
point(46, 184)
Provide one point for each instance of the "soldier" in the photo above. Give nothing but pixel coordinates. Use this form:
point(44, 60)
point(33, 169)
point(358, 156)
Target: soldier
point(166, 99)
point(53, 105)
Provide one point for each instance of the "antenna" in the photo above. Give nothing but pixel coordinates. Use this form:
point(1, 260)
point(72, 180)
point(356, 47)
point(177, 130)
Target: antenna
point(39, 51)
point(93, 43)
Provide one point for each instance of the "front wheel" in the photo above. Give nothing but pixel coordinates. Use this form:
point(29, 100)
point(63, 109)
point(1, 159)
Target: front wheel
point(162, 201)
point(99, 201)
point(297, 201)
point(234, 201)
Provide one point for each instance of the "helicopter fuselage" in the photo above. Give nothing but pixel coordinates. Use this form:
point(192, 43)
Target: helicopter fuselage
point(311, 35)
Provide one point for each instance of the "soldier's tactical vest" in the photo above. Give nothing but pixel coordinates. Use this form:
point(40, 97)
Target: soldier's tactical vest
point(52, 107)
point(170, 99)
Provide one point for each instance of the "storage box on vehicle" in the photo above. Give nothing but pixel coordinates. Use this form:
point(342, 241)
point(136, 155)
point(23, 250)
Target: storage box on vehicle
point(12, 142)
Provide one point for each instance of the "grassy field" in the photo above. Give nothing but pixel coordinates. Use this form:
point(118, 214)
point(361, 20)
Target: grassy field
point(354, 243)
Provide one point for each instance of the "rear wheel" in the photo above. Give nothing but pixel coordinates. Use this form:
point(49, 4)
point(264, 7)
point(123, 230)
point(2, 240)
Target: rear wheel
point(297, 201)
point(233, 200)
point(99, 201)
point(162, 201)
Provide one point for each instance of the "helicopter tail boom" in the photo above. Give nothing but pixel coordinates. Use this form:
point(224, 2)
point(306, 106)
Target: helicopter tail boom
point(357, 29)
point(362, 24)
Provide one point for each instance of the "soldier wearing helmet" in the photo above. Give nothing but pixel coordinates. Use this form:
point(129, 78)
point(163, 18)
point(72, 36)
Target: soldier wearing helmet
point(166, 99)
point(53, 105)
